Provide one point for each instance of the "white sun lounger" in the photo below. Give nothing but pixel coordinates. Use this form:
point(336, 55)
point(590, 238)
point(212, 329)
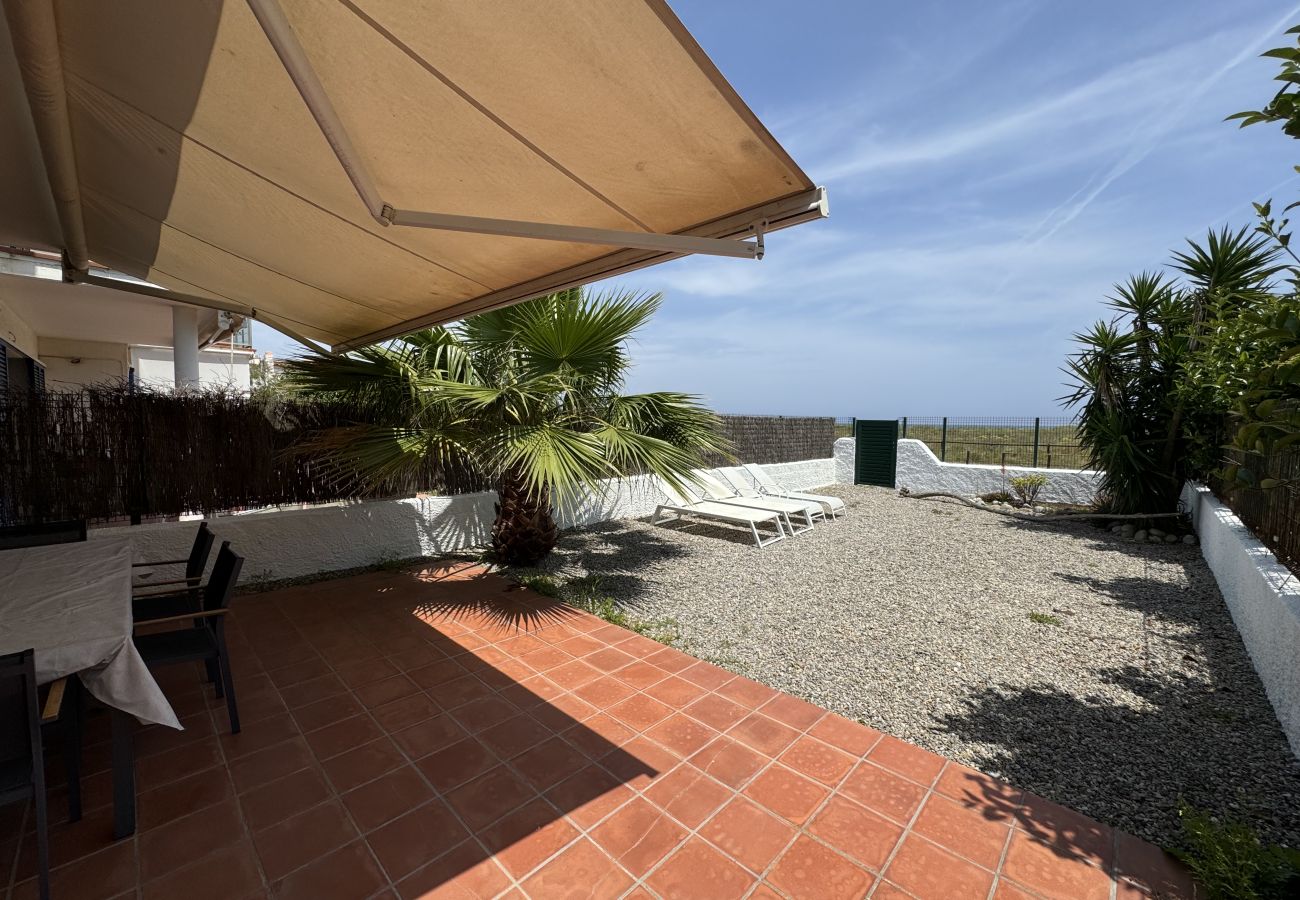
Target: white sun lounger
point(768, 485)
point(716, 490)
point(681, 506)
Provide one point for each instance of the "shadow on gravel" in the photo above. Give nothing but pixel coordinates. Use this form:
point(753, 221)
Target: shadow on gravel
point(613, 555)
point(1206, 736)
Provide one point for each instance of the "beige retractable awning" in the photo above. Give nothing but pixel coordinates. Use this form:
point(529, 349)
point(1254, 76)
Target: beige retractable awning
point(350, 170)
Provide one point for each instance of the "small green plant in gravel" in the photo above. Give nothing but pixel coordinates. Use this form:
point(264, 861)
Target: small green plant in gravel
point(1028, 487)
point(1230, 862)
point(546, 585)
point(1042, 618)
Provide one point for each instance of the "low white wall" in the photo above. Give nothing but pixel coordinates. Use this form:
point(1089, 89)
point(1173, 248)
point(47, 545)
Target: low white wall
point(1263, 597)
point(292, 543)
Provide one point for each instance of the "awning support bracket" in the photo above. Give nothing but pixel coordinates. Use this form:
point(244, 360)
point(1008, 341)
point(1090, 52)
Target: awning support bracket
point(294, 59)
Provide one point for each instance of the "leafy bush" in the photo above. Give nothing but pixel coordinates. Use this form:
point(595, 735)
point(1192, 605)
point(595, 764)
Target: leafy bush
point(1231, 863)
point(997, 497)
point(1028, 487)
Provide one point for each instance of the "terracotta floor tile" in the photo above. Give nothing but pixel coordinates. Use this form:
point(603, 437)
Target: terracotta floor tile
point(549, 763)
point(706, 675)
point(460, 873)
point(1053, 871)
point(573, 674)
point(677, 692)
point(68, 841)
point(179, 798)
point(810, 870)
point(766, 735)
point(688, 795)
point(907, 760)
point(609, 659)
point(342, 736)
point(456, 764)
point(367, 762)
point(458, 691)
point(639, 762)
point(597, 735)
point(786, 793)
point(326, 712)
point(164, 850)
point(717, 712)
point(582, 870)
point(1066, 829)
point(580, 645)
point(749, 834)
point(746, 692)
point(792, 711)
point(728, 761)
point(270, 764)
point(515, 735)
point(682, 734)
point(563, 712)
point(430, 735)
point(1150, 867)
point(928, 871)
point(818, 760)
point(387, 797)
point(638, 836)
point(589, 796)
point(489, 797)
point(476, 715)
point(605, 691)
point(668, 658)
point(995, 799)
point(640, 712)
point(349, 873)
point(883, 791)
point(545, 658)
point(300, 839)
point(408, 842)
point(436, 673)
point(377, 693)
point(278, 800)
point(173, 765)
point(365, 671)
point(962, 830)
point(100, 875)
point(525, 838)
point(857, 832)
point(1009, 890)
point(849, 736)
point(405, 712)
point(230, 873)
point(641, 674)
point(699, 871)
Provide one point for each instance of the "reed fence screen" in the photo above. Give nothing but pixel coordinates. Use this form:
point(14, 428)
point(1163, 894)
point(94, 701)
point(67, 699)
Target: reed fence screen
point(1048, 442)
point(1272, 514)
point(111, 455)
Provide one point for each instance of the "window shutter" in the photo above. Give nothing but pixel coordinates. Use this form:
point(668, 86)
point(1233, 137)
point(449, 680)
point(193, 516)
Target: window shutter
point(4, 366)
point(37, 372)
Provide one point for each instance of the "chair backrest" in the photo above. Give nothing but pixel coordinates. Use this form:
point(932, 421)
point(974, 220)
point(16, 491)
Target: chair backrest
point(20, 717)
point(198, 559)
point(676, 497)
point(221, 584)
point(713, 487)
point(13, 537)
point(740, 485)
point(761, 476)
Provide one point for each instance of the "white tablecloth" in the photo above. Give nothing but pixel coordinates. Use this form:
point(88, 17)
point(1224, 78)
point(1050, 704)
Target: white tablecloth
point(72, 604)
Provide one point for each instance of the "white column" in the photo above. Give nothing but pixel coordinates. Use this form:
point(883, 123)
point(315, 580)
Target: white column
point(185, 346)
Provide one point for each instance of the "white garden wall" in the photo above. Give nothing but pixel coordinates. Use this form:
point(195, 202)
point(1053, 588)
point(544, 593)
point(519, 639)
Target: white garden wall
point(1263, 597)
point(291, 543)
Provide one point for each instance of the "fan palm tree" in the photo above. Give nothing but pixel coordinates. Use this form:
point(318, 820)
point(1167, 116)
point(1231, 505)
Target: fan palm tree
point(529, 395)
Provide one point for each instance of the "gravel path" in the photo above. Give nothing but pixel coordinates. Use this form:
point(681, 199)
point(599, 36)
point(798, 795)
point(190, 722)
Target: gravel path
point(913, 616)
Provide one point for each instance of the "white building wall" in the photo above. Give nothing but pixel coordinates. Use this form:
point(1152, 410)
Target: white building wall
point(218, 368)
point(287, 543)
point(72, 364)
point(1263, 597)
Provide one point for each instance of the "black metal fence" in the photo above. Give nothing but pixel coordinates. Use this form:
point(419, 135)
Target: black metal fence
point(1043, 442)
point(106, 455)
point(1272, 514)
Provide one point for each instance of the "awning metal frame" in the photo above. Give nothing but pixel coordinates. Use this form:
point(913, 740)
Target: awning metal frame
point(296, 63)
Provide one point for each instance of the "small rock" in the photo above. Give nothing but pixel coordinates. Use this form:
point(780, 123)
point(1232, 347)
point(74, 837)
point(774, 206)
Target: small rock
point(1171, 539)
point(1152, 539)
point(1140, 535)
point(1156, 532)
point(1189, 540)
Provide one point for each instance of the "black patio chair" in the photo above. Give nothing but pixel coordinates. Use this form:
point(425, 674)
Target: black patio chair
point(14, 537)
point(205, 638)
point(194, 566)
point(22, 761)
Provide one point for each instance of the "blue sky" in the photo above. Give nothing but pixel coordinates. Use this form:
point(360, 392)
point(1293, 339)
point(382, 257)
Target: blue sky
point(993, 169)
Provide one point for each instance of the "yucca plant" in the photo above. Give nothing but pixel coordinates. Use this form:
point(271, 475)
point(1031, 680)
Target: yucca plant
point(529, 395)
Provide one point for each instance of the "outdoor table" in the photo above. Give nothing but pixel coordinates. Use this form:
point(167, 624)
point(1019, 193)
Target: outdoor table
point(71, 603)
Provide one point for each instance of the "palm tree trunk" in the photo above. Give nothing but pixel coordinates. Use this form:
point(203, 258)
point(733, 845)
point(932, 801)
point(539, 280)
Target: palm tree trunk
point(524, 531)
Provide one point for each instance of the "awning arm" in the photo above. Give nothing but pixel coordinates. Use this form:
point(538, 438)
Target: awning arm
point(148, 290)
point(294, 59)
point(36, 45)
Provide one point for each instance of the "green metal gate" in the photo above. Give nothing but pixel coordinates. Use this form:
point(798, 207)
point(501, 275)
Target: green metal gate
point(877, 451)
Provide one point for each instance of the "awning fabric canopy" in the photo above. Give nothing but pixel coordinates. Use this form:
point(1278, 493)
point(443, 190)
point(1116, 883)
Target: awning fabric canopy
point(310, 161)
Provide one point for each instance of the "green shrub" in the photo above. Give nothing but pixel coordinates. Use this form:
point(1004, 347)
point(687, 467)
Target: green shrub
point(1042, 618)
point(540, 584)
point(1231, 863)
point(1028, 487)
point(997, 497)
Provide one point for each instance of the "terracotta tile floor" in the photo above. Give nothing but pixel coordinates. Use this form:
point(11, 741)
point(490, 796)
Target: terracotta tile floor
point(444, 734)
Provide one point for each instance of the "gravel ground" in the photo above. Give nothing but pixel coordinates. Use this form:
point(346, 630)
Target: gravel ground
point(914, 617)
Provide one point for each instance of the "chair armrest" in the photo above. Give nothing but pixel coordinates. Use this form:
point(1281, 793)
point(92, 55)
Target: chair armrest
point(54, 701)
point(193, 582)
point(160, 562)
point(165, 595)
point(186, 617)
